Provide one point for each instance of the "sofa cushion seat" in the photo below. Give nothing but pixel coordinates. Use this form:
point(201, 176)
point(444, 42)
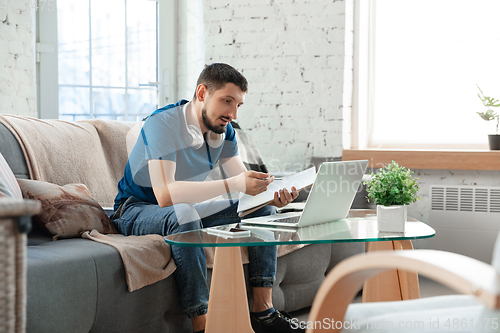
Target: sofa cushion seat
point(300, 273)
point(93, 273)
point(55, 280)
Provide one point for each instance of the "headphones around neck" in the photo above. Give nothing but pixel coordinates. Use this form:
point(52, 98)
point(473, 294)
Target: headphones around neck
point(194, 138)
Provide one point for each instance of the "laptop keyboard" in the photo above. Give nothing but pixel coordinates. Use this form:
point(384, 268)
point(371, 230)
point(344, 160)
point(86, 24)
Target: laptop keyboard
point(293, 219)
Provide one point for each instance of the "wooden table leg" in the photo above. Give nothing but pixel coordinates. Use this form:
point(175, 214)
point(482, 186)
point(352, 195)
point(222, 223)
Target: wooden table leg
point(408, 281)
point(393, 285)
point(228, 303)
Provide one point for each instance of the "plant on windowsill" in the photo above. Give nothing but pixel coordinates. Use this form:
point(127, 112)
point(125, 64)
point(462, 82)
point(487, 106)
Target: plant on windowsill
point(392, 189)
point(489, 102)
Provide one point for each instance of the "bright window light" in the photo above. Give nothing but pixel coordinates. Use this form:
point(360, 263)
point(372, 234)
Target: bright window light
point(429, 55)
point(107, 59)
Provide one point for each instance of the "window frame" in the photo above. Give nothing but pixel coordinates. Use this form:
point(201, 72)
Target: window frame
point(47, 58)
point(362, 73)
point(363, 88)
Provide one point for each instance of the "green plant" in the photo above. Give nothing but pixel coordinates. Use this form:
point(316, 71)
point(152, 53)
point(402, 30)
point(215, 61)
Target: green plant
point(392, 185)
point(489, 102)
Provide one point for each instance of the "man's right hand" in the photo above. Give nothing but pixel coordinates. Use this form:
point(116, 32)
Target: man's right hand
point(252, 182)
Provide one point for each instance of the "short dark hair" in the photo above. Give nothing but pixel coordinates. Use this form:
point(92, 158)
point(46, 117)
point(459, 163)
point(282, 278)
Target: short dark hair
point(216, 75)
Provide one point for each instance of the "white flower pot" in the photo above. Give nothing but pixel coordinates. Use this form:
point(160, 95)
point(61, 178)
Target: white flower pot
point(391, 218)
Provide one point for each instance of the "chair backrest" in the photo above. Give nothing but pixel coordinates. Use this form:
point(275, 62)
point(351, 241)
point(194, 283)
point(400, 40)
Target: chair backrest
point(495, 262)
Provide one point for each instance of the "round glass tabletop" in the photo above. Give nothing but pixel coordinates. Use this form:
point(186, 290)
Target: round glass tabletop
point(359, 226)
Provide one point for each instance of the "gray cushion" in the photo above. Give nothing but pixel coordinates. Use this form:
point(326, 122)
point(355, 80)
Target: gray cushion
point(56, 268)
point(300, 273)
point(13, 154)
point(341, 251)
point(62, 289)
point(63, 271)
point(113, 308)
point(295, 291)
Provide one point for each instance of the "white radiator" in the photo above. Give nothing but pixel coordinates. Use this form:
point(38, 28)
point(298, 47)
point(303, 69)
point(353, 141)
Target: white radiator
point(466, 219)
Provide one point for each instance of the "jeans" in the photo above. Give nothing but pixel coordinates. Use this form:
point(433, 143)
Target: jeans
point(136, 217)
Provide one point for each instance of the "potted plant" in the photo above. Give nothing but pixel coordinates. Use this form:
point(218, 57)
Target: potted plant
point(489, 102)
point(392, 189)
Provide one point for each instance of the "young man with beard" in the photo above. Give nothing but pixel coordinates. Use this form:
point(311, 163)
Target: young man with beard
point(164, 188)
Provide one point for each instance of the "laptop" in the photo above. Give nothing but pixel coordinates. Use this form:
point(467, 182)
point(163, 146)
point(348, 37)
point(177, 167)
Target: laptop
point(330, 198)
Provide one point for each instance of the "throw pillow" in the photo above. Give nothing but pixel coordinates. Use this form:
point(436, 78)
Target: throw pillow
point(67, 211)
point(8, 185)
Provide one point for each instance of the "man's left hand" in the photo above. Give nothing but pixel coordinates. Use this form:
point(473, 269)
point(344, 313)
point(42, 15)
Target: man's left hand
point(284, 197)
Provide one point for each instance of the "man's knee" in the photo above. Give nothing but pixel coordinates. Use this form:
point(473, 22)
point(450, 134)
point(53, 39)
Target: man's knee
point(267, 210)
point(264, 211)
point(185, 218)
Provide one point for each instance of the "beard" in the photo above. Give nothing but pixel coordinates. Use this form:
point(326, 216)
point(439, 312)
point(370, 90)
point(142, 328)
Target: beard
point(219, 129)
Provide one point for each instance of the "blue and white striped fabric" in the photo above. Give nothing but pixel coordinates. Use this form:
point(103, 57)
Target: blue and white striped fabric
point(8, 183)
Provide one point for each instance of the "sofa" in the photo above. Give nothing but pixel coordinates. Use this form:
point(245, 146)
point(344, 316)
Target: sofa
point(78, 285)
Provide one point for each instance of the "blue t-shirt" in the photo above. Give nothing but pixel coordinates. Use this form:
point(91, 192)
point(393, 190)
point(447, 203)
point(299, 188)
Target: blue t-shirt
point(164, 136)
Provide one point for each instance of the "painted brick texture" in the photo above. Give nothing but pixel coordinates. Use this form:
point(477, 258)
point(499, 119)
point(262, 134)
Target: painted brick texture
point(292, 53)
point(17, 60)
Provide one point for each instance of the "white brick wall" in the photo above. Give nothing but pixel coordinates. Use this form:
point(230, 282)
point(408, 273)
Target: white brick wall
point(292, 53)
point(17, 60)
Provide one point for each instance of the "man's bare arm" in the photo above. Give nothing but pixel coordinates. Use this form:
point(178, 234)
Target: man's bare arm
point(234, 166)
point(169, 192)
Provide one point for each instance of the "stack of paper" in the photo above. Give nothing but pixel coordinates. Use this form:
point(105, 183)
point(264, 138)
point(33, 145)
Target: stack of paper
point(301, 180)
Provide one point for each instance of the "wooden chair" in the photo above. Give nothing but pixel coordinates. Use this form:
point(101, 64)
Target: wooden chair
point(478, 282)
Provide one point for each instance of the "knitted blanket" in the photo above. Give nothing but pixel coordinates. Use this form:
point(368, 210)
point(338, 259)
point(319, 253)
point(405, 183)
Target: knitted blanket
point(90, 152)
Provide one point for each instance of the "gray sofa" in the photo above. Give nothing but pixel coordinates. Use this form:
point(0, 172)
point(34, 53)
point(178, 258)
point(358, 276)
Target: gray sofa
point(77, 285)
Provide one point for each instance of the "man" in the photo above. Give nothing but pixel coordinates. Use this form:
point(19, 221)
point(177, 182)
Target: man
point(163, 190)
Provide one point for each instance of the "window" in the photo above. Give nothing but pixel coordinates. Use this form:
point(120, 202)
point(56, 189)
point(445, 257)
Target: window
point(107, 59)
point(417, 64)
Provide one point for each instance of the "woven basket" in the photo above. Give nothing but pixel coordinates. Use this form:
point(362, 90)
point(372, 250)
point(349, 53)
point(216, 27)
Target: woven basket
point(14, 216)
point(12, 277)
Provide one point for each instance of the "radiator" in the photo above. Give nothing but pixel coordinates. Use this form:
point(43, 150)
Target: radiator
point(466, 219)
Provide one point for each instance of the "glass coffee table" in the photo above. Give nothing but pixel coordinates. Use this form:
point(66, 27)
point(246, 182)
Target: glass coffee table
point(228, 305)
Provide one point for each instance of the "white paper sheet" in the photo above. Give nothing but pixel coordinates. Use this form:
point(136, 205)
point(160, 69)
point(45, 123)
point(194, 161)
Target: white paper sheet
point(299, 180)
